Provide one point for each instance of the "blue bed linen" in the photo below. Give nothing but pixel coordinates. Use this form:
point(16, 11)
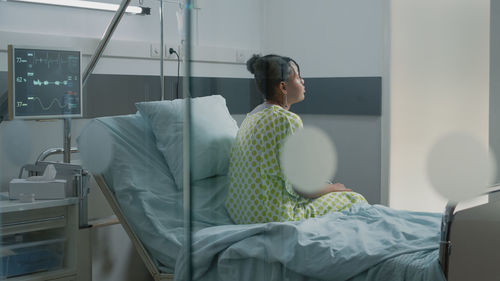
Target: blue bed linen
point(144, 187)
point(146, 192)
point(416, 266)
point(208, 207)
point(363, 243)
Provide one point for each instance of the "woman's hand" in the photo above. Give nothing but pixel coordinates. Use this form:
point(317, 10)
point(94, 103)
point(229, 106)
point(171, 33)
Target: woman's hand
point(334, 187)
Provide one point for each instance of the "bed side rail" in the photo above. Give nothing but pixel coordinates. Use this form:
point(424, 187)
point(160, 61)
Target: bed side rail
point(445, 243)
point(148, 261)
point(446, 224)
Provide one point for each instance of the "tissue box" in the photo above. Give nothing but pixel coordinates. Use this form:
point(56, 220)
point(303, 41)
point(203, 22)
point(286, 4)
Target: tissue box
point(53, 189)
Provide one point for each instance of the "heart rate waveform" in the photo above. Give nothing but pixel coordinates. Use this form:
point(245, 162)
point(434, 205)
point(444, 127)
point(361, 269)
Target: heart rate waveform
point(69, 102)
point(57, 60)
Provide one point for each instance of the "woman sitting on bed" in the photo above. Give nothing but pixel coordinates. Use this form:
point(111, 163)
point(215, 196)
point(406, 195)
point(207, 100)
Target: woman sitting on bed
point(259, 192)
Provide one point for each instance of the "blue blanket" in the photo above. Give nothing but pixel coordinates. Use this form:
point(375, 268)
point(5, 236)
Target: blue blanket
point(367, 242)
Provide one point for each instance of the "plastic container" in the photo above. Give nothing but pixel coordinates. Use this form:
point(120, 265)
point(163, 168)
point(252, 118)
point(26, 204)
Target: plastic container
point(25, 258)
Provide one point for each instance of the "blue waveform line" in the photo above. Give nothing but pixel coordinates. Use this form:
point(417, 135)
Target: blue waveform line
point(61, 106)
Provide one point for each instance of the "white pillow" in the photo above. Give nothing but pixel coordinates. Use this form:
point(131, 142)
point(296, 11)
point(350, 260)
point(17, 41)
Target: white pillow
point(213, 133)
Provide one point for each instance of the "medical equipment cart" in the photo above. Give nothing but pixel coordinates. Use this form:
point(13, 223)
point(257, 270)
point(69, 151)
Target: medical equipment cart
point(38, 239)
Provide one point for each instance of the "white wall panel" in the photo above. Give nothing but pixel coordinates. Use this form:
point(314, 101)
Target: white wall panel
point(329, 38)
point(439, 78)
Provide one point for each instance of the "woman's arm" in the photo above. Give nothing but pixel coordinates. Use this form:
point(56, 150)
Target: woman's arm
point(334, 187)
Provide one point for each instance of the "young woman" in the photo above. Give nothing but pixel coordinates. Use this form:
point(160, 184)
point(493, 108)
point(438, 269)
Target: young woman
point(259, 191)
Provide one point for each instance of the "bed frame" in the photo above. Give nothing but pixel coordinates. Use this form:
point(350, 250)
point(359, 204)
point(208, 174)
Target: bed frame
point(470, 240)
point(148, 261)
point(465, 234)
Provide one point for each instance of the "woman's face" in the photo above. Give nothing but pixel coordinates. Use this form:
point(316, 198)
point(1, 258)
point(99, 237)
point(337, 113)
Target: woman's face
point(295, 86)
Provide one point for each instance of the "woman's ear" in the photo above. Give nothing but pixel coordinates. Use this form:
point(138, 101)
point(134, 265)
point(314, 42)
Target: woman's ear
point(283, 87)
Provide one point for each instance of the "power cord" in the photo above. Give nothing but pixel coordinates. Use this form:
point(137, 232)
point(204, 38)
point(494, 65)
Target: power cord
point(172, 51)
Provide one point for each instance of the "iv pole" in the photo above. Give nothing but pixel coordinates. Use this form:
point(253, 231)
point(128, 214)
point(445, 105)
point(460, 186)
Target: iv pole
point(90, 67)
point(162, 76)
point(67, 121)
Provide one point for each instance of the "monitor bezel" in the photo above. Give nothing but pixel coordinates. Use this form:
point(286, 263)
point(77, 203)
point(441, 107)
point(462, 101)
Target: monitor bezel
point(12, 89)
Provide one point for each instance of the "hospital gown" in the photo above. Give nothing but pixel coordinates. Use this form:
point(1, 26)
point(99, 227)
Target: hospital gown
point(259, 192)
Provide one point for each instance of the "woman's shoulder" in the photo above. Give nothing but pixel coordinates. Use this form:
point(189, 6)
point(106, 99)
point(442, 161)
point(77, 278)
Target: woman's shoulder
point(288, 117)
point(275, 116)
point(280, 113)
point(288, 113)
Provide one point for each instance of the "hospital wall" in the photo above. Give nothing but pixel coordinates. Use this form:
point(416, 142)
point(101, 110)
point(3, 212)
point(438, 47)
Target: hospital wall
point(439, 83)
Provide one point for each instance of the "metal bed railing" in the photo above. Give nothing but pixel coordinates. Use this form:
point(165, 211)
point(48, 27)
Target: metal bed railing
point(150, 264)
point(446, 243)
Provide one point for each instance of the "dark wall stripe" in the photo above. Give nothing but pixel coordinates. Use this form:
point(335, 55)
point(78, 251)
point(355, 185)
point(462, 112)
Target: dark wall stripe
point(240, 93)
point(109, 94)
point(342, 96)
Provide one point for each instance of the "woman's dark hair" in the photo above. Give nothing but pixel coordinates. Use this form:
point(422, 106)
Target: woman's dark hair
point(270, 71)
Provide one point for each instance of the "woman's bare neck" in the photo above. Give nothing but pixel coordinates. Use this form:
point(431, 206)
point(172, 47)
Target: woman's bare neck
point(286, 107)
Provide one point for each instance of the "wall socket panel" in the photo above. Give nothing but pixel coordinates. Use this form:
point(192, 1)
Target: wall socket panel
point(243, 55)
point(172, 56)
point(155, 51)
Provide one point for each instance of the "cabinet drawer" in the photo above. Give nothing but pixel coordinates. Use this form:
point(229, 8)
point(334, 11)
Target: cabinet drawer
point(32, 220)
point(30, 257)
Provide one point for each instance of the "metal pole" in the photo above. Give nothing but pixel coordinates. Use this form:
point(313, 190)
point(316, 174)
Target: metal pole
point(67, 140)
point(445, 244)
point(162, 81)
point(104, 41)
point(187, 142)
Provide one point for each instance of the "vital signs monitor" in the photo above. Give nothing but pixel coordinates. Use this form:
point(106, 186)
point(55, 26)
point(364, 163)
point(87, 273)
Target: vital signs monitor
point(44, 83)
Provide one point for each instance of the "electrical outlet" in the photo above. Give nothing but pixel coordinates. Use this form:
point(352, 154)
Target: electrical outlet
point(240, 56)
point(167, 53)
point(155, 50)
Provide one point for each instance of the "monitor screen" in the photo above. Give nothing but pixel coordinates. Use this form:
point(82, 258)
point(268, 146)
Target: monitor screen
point(45, 83)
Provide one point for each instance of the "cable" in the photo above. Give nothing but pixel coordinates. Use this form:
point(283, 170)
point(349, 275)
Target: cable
point(172, 51)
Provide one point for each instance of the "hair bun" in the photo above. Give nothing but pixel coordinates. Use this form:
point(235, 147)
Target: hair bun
point(251, 63)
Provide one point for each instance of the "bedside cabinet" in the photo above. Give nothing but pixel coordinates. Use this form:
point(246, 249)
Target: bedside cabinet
point(38, 240)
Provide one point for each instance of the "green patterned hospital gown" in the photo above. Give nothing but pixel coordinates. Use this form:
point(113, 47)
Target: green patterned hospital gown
point(259, 192)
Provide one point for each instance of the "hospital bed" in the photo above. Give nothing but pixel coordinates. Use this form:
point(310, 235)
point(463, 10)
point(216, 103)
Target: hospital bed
point(364, 243)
